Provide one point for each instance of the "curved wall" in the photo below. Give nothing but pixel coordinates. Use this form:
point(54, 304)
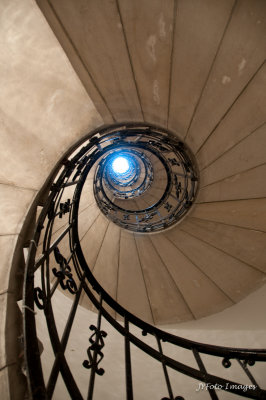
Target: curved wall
point(44, 109)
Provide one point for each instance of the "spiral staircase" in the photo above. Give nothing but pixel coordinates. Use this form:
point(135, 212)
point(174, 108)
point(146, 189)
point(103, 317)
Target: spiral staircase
point(177, 89)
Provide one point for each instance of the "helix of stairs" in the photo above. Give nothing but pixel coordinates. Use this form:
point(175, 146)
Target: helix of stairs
point(168, 248)
point(200, 263)
point(198, 69)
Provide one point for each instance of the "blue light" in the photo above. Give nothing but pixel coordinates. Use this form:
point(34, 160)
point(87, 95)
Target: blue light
point(120, 165)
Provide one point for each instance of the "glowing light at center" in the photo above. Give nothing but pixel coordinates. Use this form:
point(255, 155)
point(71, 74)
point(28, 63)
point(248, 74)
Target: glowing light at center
point(120, 165)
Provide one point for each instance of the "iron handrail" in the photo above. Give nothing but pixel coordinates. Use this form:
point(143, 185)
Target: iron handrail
point(74, 172)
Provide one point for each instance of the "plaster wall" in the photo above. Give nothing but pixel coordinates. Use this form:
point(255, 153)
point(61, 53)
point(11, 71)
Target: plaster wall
point(44, 109)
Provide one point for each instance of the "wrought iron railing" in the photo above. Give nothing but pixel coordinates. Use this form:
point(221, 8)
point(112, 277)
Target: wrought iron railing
point(68, 271)
point(139, 144)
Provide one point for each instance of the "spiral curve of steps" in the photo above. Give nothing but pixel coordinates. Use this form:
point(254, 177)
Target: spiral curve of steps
point(215, 256)
point(192, 269)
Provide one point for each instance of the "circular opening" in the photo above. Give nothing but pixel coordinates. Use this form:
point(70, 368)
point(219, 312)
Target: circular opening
point(150, 166)
point(120, 165)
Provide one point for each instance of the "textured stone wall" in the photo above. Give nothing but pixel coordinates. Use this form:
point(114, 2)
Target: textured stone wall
point(44, 109)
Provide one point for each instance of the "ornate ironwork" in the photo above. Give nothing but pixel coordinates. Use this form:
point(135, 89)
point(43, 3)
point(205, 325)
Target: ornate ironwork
point(94, 351)
point(64, 208)
point(169, 157)
point(39, 287)
point(64, 272)
point(130, 184)
point(39, 298)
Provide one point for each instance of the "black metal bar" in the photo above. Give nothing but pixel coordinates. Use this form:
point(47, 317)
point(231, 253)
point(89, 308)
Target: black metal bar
point(176, 365)
point(202, 368)
point(57, 348)
point(166, 376)
point(31, 348)
point(220, 351)
point(54, 287)
point(98, 147)
point(51, 248)
point(95, 353)
point(166, 166)
point(128, 369)
point(58, 279)
point(70, 184)
point(56, 367)
point(248, 373)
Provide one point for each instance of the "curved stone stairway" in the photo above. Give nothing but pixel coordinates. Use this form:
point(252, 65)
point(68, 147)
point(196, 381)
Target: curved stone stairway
point(199, 69)
point(196, 67)
point(207, 262)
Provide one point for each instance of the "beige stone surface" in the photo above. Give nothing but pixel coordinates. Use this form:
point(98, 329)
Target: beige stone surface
point(3, 309)
point(159, 173)
point(7, 246)
point(245, 185)
point(249, 214)
point(4, 383)
point(68, 193)
point(126, 204)
point(108, 62)
point(131, 280)
point(92, 240)
point(63, 245)
point(166, 300)
point(220, 267)
point(106, 268)
point(199, 292)
point(199, 27)
point(56, 232)
point(233, 319)
point(59, 223)
point(246, 115)
point(42, 101)
point(247, 154)
point(77, 63)
point(148, 31)
point(237, 61)
point(148, 379)
point(87, 217)
point(14, 204)
point(142, 203)
point(10, 329)
point(87, 196)
point(44, 109)
point(18, 388)
point(248, 245)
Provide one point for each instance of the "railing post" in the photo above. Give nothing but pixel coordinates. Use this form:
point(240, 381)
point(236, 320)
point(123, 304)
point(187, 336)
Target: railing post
point(203, 370)
point(166, 376)
point(128, 369)
point(96, 347)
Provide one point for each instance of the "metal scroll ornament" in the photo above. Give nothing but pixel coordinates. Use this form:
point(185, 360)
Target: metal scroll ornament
point(159, 185)
point(94, 351)
point(155, 188)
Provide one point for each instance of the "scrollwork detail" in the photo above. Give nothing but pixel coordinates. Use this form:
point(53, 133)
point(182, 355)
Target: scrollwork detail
point(64, 273)
point(226, 363)
point(97, 344)
point(39, 298)
point(64, 208)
